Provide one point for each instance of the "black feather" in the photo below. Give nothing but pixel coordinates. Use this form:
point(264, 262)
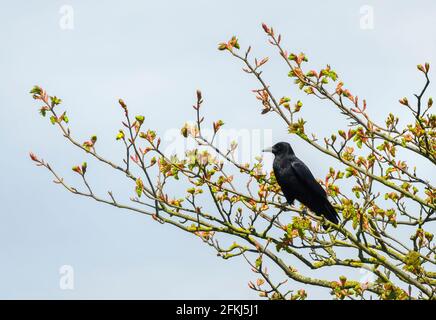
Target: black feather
point(297, 182)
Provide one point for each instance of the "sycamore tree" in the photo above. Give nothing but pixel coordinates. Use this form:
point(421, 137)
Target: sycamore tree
point(386, 206)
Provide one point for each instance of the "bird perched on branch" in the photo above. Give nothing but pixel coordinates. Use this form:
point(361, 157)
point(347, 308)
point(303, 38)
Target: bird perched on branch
point(298, 183)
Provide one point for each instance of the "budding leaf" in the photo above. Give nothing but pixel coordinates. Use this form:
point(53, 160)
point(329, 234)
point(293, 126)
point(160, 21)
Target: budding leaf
point(120, 135)
point(140, 119)
point(84, 166)
point(139, 187)
point(36, 90)
point(55, 101)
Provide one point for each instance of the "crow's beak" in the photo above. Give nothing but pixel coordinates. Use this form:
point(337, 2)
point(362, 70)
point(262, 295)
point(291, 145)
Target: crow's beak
point(267, 150)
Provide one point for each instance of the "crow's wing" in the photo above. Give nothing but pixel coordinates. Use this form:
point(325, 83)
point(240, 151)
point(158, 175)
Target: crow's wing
point(315, 195)
point(307, 179)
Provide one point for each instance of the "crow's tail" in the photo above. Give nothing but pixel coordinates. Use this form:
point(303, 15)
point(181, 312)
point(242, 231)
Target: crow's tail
point(330, 213)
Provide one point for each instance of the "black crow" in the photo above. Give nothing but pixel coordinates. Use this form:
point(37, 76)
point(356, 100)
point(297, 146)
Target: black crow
point(298, 183)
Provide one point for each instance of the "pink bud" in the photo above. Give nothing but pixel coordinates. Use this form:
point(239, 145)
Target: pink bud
point(266, 28)
point(33, 156)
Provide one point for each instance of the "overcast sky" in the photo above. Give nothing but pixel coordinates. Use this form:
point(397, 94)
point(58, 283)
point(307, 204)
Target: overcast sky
point(155, 55)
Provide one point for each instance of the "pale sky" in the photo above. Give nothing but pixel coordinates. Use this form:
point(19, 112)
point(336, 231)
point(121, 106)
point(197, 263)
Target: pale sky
point(155, 55)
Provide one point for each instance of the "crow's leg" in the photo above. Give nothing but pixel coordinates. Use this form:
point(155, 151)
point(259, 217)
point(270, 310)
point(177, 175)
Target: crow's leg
point(285, 205)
